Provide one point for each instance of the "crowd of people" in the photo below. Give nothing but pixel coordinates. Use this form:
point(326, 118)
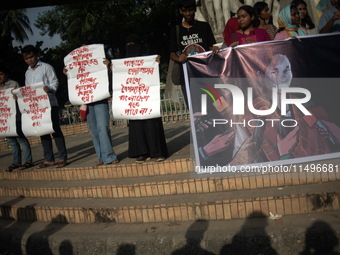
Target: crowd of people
point(146, 137)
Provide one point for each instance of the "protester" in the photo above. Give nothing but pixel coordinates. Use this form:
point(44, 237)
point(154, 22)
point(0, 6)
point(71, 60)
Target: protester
point(263, 13)
point(230, 27)
point(330, 20)
point(146, 137)
point(289, 21)
point(193, 37)
point(42, 72)
point(306, 20)
point(248, 32)
point(6, 83)
point(98, 123)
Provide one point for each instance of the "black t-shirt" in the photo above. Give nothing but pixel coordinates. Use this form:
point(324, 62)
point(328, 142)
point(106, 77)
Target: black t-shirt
point(193, 40)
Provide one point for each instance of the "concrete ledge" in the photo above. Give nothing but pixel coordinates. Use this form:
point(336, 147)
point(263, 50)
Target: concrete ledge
point(317, 232)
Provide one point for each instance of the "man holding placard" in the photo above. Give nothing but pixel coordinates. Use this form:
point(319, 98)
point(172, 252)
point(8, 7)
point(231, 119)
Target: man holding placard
point(6, 83)
point(42, 72)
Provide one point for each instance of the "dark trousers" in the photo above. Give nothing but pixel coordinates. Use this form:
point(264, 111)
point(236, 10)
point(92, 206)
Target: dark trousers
point(58, 136)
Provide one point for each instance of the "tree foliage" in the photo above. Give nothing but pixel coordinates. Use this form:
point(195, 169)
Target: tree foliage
point(14, 23)
point(109, 22)
point(106, 22)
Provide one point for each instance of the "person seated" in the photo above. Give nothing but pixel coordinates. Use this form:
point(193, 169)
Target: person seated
point(263, 13)
point(248, 32)
point(289, 23)
point(306, 20)
point(330, 20)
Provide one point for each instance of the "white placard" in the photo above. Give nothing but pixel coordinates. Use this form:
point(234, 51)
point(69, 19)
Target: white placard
point(136, 88)
point(87, 75)
point(7, 114)
point(35, 108)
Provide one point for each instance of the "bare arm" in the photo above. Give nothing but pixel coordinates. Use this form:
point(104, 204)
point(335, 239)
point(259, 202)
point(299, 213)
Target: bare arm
point(179, 59)
point(328, 27)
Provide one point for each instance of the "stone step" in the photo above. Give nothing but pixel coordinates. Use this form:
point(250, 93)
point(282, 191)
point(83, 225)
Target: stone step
point(101, 172)
point(154, 186)
point(212, 206)
point(293, 234)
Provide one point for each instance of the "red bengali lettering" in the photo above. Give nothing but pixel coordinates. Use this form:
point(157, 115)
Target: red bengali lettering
point(136, 71)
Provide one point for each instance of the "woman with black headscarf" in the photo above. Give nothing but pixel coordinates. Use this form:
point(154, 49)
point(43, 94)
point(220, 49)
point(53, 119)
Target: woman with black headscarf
point(146, 137)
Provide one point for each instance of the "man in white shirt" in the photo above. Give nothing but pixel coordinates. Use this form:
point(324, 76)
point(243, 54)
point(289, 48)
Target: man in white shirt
point(41, 72)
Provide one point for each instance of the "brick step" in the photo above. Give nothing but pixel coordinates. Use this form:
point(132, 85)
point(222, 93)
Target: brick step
point(167, 167)
point(153, 186)
point(217, 206)
point(101, 172)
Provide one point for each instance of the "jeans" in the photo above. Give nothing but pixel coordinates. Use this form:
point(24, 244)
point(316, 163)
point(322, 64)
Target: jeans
point(58, 136)
point(26, 148)
point(98, 118)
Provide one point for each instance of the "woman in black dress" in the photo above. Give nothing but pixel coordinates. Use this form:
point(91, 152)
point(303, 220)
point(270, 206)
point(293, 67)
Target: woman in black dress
point(146, 137)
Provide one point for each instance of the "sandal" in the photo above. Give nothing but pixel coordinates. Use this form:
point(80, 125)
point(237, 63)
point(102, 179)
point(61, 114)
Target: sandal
point(12, 167)
point(100, 163)
point(44, 164)
point(62, 164)
point(26, 165)
point(113, 162)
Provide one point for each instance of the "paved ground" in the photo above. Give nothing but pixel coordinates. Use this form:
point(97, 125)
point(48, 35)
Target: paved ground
point(316, 233)
point(81, 152)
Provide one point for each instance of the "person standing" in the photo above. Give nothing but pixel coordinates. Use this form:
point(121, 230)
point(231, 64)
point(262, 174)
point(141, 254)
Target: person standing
point(289, 22)
point(6, 83)
point(98, 123)
point(42, 72)
point(263, 13)
point(146, 137)
point(330, 20)
point(190, 37)
point(306, 20)
point(249, 31)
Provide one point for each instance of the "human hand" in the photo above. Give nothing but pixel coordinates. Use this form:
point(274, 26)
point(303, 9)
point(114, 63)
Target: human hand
point(247, 153)
point(220, 143)
point(107, 63)
point(15, 97)
point(336, 16)
point(288, 144)
point(215, 50)
point(201, 125)
point(234, 44)
point(46, 89)
point(65, 70)
point(158, 59)
point(182, 58)
point(333, 130)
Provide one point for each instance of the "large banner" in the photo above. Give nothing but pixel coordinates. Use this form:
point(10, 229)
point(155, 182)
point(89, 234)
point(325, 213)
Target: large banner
point(136, 88)
point(7, 114)
point(267, 103)
point(35, 109)
point(87, 75)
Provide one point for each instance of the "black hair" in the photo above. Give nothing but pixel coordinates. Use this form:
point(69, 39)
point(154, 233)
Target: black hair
point(307, 20)
point(4, 69)
point(28, 49)
point(187, 3)
point(251, 11)
point(259, 7)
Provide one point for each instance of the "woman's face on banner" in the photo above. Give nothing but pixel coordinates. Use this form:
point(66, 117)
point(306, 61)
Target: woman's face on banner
point(279, 72)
